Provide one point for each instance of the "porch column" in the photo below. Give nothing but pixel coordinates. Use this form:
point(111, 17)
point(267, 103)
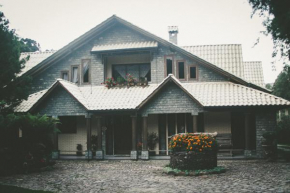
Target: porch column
point(145, 152)
point(247, 131)
point(99, 152)
point(134, 152)
point(55, 152)
point(247, 151)
point(89, 145)
point(194, 123)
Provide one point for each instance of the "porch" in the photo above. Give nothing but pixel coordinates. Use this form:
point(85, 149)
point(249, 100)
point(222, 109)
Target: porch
point(122, 133)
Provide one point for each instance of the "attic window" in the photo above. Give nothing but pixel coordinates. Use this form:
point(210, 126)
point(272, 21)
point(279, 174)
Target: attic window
point(168, 65)
point(181, 69)
point(75, 74)
point(64, 75)
point(86, 71)
point(192, 70)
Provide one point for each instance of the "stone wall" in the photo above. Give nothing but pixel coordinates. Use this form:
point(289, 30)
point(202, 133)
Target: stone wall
point(265, 121)
point(171, 99)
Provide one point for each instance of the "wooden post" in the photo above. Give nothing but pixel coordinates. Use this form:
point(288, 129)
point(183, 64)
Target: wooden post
point(145, 133)
point(99, 152)
point(194, 123)
point(89, 145)
point(99, 131)
point(134, 132)
point(247, 131)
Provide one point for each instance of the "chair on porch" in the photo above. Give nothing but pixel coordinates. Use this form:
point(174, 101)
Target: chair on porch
point(225, 143)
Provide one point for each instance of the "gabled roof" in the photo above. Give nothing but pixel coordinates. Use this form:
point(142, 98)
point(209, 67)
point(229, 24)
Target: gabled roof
point(207, 94)
point(77, 43)
point(226, 56)
point(34, 59)
point(254, 72)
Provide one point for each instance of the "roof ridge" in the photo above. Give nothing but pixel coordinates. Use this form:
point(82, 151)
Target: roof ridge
point(38, 52)
point(212, 45)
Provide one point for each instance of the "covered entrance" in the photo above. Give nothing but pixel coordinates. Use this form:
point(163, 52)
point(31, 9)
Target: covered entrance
point(118, 135)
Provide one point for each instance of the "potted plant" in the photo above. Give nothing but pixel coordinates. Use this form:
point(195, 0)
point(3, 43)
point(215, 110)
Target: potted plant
point(79, 150)
point(109, 82)
point(121, 81)
point(130, 80)
point(152, 140)
point(269, 145)
point(143, 81)
point(94, 141)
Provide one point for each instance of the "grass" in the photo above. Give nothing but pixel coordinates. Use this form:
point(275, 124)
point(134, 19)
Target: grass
point(14, 189)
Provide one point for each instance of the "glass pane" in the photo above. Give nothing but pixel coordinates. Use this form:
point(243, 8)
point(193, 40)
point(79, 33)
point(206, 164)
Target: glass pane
point(75, 75)
point(169, 66)
point(133, 70)
point(181, 70)
point(145, 71)
point(65, 76)
point(171, 124)
point(119, 70)
point(85, 70)
point(192, 72)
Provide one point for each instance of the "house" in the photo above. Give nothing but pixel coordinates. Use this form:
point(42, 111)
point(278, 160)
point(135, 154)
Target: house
point(191, 89)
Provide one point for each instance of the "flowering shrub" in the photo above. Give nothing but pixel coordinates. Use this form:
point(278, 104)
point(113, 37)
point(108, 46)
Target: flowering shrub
point(130, 78)
point(109, 82)
point(192, 142)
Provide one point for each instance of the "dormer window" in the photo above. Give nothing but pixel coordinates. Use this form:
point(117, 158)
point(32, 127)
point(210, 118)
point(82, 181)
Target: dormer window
point(192, 72)
point(75, 74)
point(64, 75)
point(86, 71)
point(181, 69)
point(168, 65)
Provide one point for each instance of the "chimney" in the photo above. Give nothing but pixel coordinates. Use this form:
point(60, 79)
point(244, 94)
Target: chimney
point(173, 31)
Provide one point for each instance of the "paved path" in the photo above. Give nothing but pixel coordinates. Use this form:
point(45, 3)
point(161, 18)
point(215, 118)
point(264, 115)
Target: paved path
point(147, 176)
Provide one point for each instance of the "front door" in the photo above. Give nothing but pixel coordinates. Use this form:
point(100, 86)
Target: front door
point(122, 135)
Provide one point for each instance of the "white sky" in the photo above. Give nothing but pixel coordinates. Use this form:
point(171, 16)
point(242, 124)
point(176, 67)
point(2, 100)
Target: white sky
point(55, 23)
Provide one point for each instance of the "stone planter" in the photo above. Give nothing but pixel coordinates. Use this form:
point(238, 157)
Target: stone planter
point(193, 160)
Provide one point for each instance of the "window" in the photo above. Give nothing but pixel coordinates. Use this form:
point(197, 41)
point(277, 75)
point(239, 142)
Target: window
point(64, 75)
point(86, 71)
point(136, 70)
point(181, 69)
point(168, 65)
point(192, 70)
point(68, 124)
point(75, 74)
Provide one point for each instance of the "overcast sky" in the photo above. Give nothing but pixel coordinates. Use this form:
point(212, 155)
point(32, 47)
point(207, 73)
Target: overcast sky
point(55, 23)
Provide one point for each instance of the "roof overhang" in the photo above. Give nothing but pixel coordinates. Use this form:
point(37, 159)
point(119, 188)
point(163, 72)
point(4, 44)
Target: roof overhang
point(132, 46)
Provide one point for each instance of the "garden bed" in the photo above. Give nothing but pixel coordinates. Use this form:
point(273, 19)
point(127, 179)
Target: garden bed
point(216, 170)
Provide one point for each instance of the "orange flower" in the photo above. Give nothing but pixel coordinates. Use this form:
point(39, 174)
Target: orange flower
point(200, 149)
point(190, 148)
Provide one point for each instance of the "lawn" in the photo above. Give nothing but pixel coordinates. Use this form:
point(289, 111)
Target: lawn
point(14, 189)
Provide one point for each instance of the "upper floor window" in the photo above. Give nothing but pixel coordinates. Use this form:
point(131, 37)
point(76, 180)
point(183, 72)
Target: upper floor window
point(181, 69)
point(192, 72)
point(168, 65)
point(136, 70)
point(85, 71)
point(75, 74)
point(64, 75)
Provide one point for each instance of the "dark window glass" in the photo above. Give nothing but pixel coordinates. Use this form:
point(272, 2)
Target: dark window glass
point(64, 75)
point(181, 70)
point(85, 70)
point(136, 70)
point(68, 124)
point(169, 66)
point(181, 123)
point(75, 75)
point(192, 70)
